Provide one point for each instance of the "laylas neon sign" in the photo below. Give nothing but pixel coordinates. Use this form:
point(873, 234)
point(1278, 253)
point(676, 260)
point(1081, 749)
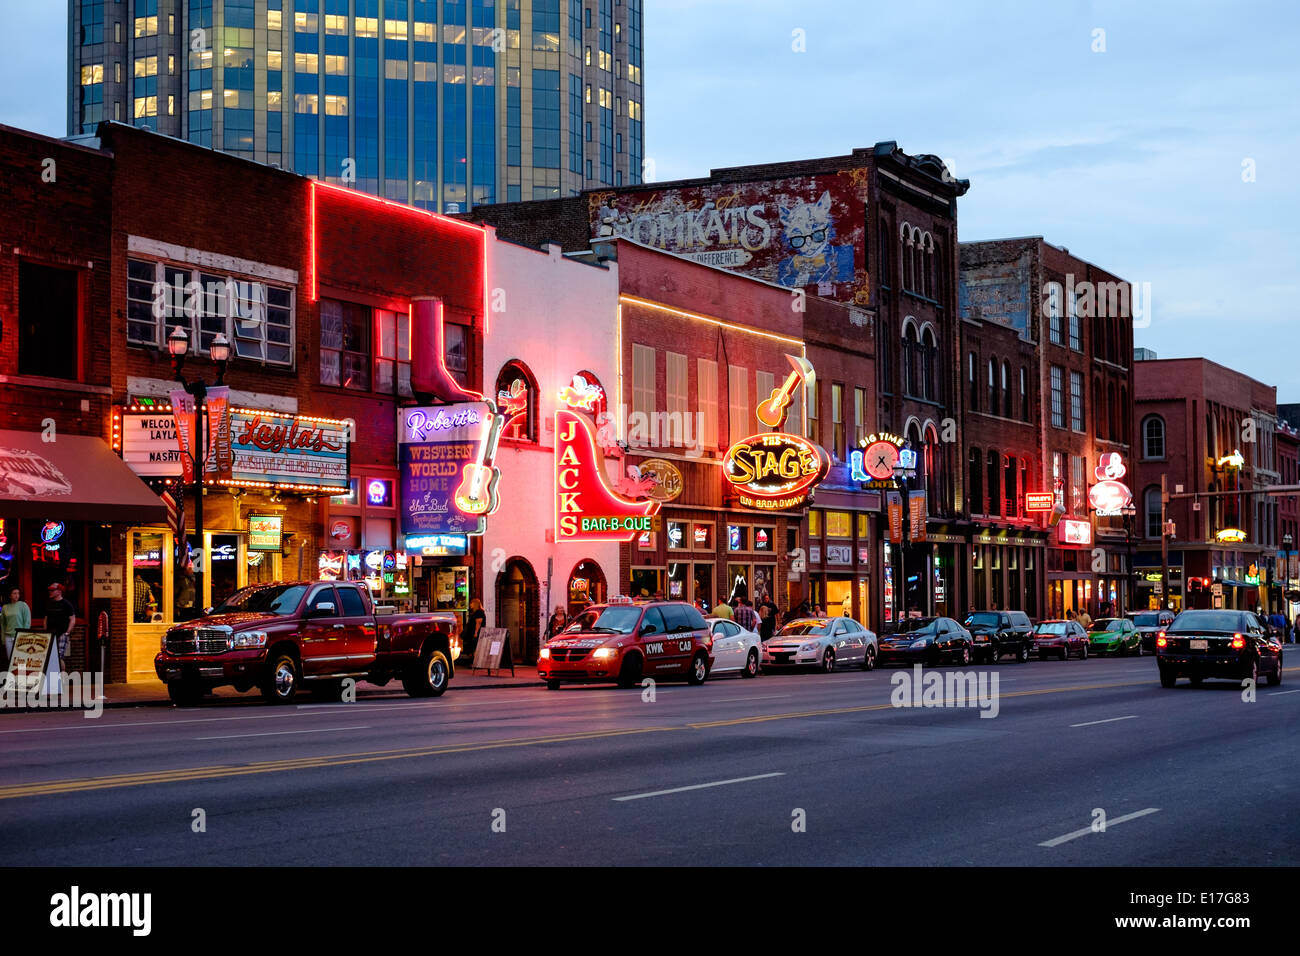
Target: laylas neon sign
point(586, 507)
point(774, 471)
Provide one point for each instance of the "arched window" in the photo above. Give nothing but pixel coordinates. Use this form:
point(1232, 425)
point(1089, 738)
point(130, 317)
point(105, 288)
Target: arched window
point(994, 492)
point(886, 357)
point(1098, 417)
point(1024, 394)
point(1153, 437)
point(1006, 389)
point(911, 361)
point(929, 366)
point(973, 378)
point(905, 253)
point(516, 398)
point(1010, 488)
point(1151, 508)
point(1114, 409)
point(993, 387)
point(974, 482)
point(1126, 431)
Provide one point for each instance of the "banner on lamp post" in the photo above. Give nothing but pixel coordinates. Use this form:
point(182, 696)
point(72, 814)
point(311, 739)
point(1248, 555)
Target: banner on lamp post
point(184, 408)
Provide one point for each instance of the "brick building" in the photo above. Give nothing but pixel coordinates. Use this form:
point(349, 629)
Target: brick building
point(1212, 432)
point(317, 314)
point(874, 231)
point(1287, 572)
point(1046, 346)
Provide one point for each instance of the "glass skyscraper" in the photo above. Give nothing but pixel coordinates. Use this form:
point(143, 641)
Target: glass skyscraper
point(441, 103)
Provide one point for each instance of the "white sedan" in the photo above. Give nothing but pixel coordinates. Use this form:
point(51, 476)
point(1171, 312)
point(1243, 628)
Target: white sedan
point(821, 642)
point(734, 648)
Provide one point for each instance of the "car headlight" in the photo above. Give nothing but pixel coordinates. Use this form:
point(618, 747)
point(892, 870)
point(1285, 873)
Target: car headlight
point(805, 648)
point(544, 653)
point(248, 639)
point(923, 642)
point(604, 653)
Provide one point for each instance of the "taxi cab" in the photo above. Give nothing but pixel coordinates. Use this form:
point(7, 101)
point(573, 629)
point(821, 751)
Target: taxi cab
point(624, 641)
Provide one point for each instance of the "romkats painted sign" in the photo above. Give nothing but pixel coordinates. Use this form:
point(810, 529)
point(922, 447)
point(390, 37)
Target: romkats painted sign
point(804, 232)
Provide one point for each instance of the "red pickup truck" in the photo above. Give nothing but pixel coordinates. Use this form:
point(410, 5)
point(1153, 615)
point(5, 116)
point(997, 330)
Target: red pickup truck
point(277, 637)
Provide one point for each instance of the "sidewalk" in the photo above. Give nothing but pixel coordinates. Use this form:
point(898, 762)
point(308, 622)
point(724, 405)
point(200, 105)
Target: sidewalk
point(153, 693)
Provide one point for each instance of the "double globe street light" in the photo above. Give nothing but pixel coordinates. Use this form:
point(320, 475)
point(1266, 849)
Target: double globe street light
point(178, 344)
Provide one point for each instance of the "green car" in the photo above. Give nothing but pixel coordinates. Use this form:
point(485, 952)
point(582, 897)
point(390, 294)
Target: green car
point(1114, 635)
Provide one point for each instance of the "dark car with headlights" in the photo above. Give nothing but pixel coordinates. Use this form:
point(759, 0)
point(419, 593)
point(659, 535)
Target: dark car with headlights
point(1149, 624)
point(1000, 632)
point(624, 641)
point(1217, 643)
point(927, 640)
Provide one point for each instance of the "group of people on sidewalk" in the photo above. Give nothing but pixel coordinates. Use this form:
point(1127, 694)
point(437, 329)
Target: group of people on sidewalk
point(60, 617)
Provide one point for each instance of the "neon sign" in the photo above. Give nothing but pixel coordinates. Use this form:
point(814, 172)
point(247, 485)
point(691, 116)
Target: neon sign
point(773, 471)
point(1039, 501)
point(586, 507)
point(874, 462)
point(1232, 535)
point(448, 481)
point(583, 394)
point(1075, 532)
point(1110, 496)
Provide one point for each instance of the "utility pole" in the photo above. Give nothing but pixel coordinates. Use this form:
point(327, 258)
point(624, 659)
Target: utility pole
point(1164, 541)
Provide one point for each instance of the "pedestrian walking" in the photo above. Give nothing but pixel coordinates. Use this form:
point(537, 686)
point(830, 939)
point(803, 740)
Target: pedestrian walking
point(559, 620)
point(745, 615)
point(766, 623)
point(16, 615)
point(60, 617)
point(475, 621)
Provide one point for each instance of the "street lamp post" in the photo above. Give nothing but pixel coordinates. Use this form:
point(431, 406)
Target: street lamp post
point(178, 344)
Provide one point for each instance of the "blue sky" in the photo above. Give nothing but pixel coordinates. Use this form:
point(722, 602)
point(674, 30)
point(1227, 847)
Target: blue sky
point(1132, 157)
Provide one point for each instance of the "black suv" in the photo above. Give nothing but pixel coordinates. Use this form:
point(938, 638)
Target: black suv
point(1000, 632)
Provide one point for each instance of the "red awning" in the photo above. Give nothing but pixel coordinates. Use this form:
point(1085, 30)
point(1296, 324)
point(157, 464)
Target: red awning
point(73, 478)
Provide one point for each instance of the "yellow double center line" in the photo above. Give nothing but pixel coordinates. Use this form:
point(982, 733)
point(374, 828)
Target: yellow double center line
point(189, 774)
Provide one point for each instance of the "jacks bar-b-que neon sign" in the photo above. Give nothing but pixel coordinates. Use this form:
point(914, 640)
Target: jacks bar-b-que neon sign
point(586, 508)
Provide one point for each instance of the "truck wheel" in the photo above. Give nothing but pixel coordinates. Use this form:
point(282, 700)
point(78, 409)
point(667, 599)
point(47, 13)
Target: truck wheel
point(184, 693)
point(629, 675)
point(1022, 655)
point(280, 686)
point(699, 670)
point(428, 677)
point(552, 685)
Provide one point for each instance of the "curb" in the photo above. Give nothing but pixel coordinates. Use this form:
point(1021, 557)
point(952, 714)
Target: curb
point(377, 694)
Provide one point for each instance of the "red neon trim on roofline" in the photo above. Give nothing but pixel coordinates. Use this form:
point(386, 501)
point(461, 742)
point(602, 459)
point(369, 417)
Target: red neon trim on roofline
point(437, 217)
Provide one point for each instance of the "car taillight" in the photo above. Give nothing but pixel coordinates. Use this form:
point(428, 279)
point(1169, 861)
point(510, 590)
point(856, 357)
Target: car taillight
point(1238, 642)
point(1161, 640)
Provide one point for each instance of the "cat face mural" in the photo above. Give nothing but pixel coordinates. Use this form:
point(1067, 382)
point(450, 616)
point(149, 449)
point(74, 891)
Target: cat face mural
point(808, 231)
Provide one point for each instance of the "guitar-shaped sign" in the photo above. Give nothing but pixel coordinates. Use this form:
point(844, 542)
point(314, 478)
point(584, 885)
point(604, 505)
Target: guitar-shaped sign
point(772, 411)
point(477, 493)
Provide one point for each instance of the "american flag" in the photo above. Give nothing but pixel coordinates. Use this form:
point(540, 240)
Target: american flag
point(175, 514)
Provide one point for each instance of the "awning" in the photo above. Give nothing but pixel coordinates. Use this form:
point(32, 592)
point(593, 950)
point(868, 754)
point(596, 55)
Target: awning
point(72, 478)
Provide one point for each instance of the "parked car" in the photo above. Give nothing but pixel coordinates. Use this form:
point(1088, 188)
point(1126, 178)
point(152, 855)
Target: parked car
point(928, 640)
point(278, 637)
point(1114, 635)
point(1000, 632)
point(734, 648)
point(622, 642)
point(1149, 624)
point(1217, 643)
point(1061, 639)
point(824, 642)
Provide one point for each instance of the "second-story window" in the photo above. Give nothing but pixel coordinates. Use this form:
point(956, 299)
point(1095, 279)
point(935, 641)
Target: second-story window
point(345, 344)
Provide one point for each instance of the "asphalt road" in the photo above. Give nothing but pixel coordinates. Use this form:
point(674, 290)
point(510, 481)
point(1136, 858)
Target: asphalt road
point(807, 769)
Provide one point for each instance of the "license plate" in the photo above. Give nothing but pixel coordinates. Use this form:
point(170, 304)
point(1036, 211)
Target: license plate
point(1199, 645)
point(981, 639)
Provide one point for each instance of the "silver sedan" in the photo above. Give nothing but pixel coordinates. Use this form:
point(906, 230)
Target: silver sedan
point(821, 642)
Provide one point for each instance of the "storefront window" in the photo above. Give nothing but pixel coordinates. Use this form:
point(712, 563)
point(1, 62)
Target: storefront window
point(703, 534)
point(646, 582)
point(677, 531)
point(704, 584)
point(147, 577)
point(764, 579)
point(763, 539)
point(224, 579)
point(839, 524)
point(862, 526)
point(737, 538)
point(677, 575)
point(261, 567)
point(814, 524)
point(737, 581)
